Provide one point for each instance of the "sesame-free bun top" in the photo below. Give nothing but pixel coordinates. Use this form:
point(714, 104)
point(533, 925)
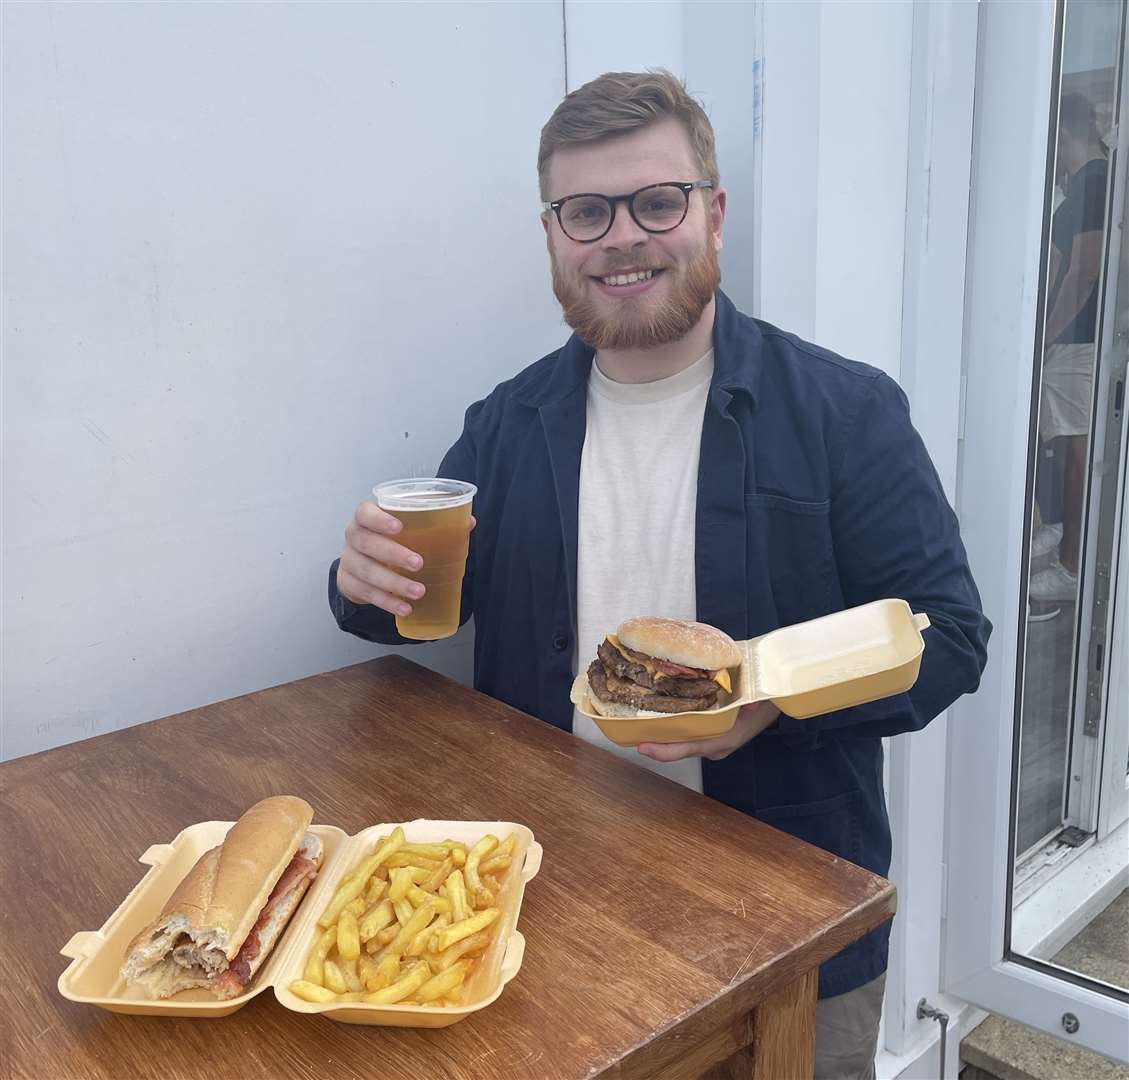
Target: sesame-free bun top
point(219, 901)
point(691, 644)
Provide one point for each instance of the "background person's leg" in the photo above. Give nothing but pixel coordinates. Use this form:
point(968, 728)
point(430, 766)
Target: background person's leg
point(1073, 498)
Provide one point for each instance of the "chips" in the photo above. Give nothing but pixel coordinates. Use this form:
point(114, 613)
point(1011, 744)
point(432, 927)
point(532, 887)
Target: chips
point(408, 924)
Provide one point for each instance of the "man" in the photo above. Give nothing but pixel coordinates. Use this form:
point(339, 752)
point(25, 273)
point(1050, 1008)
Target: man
point(675, 457)
point(1077, 242)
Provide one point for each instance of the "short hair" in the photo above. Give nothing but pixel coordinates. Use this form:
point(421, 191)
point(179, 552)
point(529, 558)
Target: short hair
point(1076, 113)
point(623, 101)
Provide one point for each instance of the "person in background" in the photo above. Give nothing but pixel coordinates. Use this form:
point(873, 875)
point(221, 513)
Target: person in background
point(1074, 273)
point(676, 457)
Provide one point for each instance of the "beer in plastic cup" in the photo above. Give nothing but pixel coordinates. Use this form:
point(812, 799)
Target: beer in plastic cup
point(436, 519)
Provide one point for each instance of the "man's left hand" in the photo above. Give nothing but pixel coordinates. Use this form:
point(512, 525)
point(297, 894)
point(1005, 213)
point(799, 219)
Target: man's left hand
point(751, 721)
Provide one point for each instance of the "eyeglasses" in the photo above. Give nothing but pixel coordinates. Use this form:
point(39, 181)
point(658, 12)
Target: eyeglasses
point(656, 208)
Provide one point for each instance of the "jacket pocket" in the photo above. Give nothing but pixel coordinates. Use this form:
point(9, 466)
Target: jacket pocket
point(833, 824)
point(790, 540)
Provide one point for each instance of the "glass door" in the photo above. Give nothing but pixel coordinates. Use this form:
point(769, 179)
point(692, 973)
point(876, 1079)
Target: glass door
point(1038, 855)
point(1068, 898)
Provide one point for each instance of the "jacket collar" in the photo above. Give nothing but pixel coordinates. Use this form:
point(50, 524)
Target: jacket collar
point(737, 348)
point(737, 343)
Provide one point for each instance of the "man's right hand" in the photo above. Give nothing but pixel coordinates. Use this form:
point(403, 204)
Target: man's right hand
point(372, 561)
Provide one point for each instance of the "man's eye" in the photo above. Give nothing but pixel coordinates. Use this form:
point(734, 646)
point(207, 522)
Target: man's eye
point(585, 213)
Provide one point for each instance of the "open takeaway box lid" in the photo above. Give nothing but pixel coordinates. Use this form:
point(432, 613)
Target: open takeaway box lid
point(93, 976)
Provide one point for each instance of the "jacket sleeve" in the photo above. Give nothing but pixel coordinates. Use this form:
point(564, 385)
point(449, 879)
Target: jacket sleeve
point(895, 535)
point(375, 624)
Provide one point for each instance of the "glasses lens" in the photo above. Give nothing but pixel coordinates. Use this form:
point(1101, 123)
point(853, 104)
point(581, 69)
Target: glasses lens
point(585, 217)
point(660, 208)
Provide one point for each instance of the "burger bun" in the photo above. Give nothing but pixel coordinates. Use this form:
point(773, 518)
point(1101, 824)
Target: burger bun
point(691, 644)
point(618, 710)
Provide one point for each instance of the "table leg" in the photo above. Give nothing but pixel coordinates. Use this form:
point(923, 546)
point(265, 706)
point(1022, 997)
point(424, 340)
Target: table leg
point(783, 1037)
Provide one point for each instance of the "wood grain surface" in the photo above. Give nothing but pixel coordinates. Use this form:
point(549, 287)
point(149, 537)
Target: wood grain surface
point(659, 922)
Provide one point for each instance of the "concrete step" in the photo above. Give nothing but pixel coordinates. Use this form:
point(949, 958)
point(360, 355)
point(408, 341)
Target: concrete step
point(1001, 1049)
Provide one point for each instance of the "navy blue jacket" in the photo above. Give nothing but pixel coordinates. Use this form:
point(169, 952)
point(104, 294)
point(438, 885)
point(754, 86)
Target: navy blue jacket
point(815, 493)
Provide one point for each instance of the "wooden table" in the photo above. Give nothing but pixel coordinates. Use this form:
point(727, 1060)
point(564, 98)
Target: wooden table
point(667, 935)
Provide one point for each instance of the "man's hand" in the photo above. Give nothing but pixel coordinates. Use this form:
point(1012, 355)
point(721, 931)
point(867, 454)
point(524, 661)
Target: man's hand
point(371, 561)
point(751, 721)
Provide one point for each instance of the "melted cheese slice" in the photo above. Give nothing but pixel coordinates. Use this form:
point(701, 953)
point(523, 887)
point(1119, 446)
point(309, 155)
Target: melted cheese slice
point(720, 677)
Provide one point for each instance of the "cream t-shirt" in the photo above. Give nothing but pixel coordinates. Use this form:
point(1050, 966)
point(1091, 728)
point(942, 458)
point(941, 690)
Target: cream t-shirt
point(638, 496)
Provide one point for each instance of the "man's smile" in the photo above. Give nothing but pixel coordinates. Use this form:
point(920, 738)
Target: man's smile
point(628, 282)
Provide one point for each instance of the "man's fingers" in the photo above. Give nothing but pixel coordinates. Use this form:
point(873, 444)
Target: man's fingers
point(369, 576)
point(369, 516)
point(367, 573)
point(670, 751)
point(751, 721)
point(381, 549)
point(360, 592)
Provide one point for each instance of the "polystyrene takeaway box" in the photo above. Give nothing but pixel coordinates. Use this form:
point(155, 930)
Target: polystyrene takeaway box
point(93, 977)
point(861, 654)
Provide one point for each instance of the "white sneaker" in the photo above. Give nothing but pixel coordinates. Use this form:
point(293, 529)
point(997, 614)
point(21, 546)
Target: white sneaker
point(1042, 610)
point(1053, 585)
point(1044, 546)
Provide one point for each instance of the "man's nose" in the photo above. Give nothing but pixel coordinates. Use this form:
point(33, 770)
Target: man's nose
point(624, 233)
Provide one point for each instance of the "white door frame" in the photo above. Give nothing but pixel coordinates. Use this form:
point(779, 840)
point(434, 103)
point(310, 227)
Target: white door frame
point(1113, 781)
point(1113, 807)
point(1093, 736)
point(1017, 69)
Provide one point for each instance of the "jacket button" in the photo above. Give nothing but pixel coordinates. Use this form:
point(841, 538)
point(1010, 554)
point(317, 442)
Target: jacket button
point(560, 643)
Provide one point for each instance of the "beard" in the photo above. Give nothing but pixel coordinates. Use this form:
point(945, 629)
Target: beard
point(638, 322)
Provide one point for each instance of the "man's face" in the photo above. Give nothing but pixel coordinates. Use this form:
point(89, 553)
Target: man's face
point(648, 313)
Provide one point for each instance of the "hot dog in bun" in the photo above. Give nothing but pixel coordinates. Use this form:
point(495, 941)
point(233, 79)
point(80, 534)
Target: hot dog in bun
point(225, 917)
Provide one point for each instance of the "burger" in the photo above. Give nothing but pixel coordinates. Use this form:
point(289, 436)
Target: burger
point(654, 665)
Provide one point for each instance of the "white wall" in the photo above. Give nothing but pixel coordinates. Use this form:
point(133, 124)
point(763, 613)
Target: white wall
point(719, 47)
point(242, 243)
point(259, 257)
point(836, 120)
point(622, 35)
point(710, 44)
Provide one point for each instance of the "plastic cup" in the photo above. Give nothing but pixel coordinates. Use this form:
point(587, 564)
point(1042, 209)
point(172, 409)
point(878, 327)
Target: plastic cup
point(436, 518)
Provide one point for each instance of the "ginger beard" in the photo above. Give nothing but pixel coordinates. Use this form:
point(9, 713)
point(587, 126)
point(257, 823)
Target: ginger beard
point(638, 322)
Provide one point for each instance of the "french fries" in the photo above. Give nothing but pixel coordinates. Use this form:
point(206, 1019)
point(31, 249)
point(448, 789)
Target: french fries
point(441, 985)
point(334, 978)
point(349, 892)
point(475, 945)
point(309, 991)
point(457, 895)
point(408, 924)
point(348, 936)
point(401, 988)
point(315, 965)
point(376, 920)
point(480, 850)
point(453, 934)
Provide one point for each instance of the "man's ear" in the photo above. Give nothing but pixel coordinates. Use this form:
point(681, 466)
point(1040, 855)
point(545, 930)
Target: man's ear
point(545, 221)
point(717, 216)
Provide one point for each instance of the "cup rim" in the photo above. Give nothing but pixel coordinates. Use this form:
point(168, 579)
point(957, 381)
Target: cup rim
point(394, 494)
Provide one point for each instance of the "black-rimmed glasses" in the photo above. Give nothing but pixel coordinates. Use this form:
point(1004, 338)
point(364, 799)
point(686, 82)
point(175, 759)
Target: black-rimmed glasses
point(656, 208)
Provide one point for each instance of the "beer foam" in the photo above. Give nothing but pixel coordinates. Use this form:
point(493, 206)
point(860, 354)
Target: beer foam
point(426, 494)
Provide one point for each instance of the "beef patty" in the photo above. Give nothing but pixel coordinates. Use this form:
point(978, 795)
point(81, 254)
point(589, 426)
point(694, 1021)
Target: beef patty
point(610, 687)
point(617, 664)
